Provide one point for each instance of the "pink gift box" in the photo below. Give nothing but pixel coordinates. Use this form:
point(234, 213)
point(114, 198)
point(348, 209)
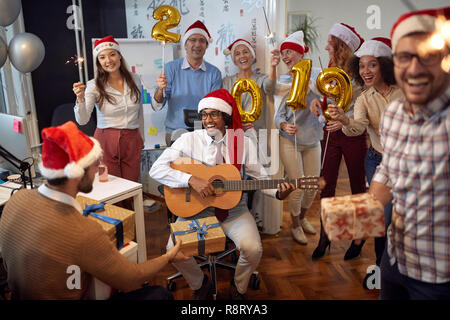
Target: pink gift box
point(358, 216)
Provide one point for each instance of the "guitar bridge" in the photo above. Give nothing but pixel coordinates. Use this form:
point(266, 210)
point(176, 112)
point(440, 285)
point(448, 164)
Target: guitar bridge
point(188, 194)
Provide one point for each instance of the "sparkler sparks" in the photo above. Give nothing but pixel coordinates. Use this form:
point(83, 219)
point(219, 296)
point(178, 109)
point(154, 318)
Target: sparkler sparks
point(75, 60)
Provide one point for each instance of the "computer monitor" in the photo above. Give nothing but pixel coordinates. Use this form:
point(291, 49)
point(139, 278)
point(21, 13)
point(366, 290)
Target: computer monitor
point(15, 141)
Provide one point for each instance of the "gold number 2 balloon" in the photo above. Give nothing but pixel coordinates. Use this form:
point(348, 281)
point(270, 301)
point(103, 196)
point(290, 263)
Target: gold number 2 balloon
point(159, 31)
point(301, 73)
point(335, 83)
point(250, 86)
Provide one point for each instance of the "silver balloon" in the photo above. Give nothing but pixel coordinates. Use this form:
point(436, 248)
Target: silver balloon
point(9, 11)
point(26, 52)
point(3, 52)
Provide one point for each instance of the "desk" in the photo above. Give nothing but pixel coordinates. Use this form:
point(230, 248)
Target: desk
point(118, 189)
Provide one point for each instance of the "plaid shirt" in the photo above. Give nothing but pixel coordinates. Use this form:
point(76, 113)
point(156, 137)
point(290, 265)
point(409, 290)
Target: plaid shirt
point(415, 166)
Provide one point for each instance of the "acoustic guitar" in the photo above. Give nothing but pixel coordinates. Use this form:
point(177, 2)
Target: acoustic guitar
point(226, 180)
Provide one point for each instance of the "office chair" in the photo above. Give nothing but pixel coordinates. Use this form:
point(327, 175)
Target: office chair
point(211, 261)
point(64, 113)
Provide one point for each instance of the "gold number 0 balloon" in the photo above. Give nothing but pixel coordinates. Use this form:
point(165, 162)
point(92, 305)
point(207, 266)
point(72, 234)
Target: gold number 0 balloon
point(301, 73)
point(335, 83)
point(250, 86)
point(159, 31)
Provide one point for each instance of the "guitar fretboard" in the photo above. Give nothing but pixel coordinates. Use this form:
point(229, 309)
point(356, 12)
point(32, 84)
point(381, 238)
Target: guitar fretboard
point(244, 185)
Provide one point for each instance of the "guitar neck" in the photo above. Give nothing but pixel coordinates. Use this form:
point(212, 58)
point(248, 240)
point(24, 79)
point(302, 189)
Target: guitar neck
point(245, 185)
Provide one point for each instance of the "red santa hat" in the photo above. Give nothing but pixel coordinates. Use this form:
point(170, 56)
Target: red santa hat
point(417, 21)
point(347, 34)
point(232, 47)
point(295, 41)
point(223, 101)
point(376, 47)
point(107, 42)
point(197, 28)
point(66, 151)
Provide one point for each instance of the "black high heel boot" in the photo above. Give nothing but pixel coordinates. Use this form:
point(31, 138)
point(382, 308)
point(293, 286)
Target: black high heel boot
point(354, 250)
point(324, 243)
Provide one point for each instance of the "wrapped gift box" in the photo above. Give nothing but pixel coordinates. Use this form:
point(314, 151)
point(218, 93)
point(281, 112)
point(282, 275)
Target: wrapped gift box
point(126, 216)
point(199, 236)
point(358, 216)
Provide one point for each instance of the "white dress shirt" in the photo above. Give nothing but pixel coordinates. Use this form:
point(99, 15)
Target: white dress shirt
point(124, 114)
point(60, 197)
point(200, 146)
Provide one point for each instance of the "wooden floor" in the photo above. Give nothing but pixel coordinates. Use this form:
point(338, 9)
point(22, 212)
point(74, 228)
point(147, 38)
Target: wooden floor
point(286, 270)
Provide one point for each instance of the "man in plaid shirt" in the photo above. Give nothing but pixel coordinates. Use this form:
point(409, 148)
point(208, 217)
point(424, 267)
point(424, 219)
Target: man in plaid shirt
point(415, 135)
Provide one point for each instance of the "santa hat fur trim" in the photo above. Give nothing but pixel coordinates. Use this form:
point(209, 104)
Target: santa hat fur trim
point(417, 21)
point(107, 42)
point(197, 28)
point(232, 47)
point(376, 47)
point(67, 152)
point(295, 41)
point(347, 34)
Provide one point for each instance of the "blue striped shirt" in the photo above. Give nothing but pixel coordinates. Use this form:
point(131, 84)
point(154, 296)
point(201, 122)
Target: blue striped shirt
point(185, 88)
point(415, 165)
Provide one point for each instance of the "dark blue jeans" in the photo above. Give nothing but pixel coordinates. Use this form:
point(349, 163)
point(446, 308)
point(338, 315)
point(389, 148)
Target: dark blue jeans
point(396, 286)
point(373, 159)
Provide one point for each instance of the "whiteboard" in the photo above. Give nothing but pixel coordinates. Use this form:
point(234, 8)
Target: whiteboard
point(225, 20)
point(144, 57)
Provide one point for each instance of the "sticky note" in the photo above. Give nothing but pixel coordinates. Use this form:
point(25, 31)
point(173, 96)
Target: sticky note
point(153, 131)
point(17, 126)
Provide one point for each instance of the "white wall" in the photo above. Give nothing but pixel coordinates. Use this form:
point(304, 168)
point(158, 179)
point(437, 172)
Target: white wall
point(354, 13)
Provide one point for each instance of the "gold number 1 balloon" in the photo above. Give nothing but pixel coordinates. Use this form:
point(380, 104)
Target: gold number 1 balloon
point(250, 86)
point(301, 73)
point(335, 83)
point(159, 31)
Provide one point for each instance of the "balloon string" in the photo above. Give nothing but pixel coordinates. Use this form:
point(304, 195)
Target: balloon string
point(325, 151)
point(163, 55)
point(295, 137)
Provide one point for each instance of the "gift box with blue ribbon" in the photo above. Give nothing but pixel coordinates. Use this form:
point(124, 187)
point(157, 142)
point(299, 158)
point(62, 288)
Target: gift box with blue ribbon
point(116, 221)
point(199, 236)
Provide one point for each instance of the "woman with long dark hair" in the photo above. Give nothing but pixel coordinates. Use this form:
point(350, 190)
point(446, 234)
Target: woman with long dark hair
point(372, 67)
point(116, 96)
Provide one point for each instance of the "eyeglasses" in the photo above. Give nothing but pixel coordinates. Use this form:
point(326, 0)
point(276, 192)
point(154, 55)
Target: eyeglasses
point(403, 59)
point(214, 115)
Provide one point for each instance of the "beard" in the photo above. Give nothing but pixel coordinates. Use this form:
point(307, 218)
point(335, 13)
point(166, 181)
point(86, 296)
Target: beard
point(86, 184)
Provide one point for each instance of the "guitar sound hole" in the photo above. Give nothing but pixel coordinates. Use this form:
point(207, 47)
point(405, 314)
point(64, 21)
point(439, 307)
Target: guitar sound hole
point(219, 186)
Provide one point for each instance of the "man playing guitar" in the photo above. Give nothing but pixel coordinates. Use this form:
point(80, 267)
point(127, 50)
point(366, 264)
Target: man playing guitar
point(215, 145)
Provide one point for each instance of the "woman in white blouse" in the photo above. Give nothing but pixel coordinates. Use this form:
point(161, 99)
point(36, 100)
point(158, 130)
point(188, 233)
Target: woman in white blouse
point(116, 96)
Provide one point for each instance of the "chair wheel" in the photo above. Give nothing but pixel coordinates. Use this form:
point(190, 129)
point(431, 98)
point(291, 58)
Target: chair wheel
point(171, 285)
point(254, 282)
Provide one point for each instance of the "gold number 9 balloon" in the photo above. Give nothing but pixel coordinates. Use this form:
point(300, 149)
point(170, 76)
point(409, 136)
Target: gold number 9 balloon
point(335, 83)
point(301, 73)
point(250, 86)
point(159, 31)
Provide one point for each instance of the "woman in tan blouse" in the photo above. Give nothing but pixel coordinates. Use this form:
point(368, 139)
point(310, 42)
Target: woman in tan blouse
point(372, 67)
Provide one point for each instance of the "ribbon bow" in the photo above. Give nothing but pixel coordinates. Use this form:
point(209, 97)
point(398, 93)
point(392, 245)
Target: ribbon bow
point(202, 231)
point(91, 209)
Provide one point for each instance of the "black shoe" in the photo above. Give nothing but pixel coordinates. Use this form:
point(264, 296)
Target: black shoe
point(205, 292)
point(235, 294)
point(354, 250)
point(319, 252)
